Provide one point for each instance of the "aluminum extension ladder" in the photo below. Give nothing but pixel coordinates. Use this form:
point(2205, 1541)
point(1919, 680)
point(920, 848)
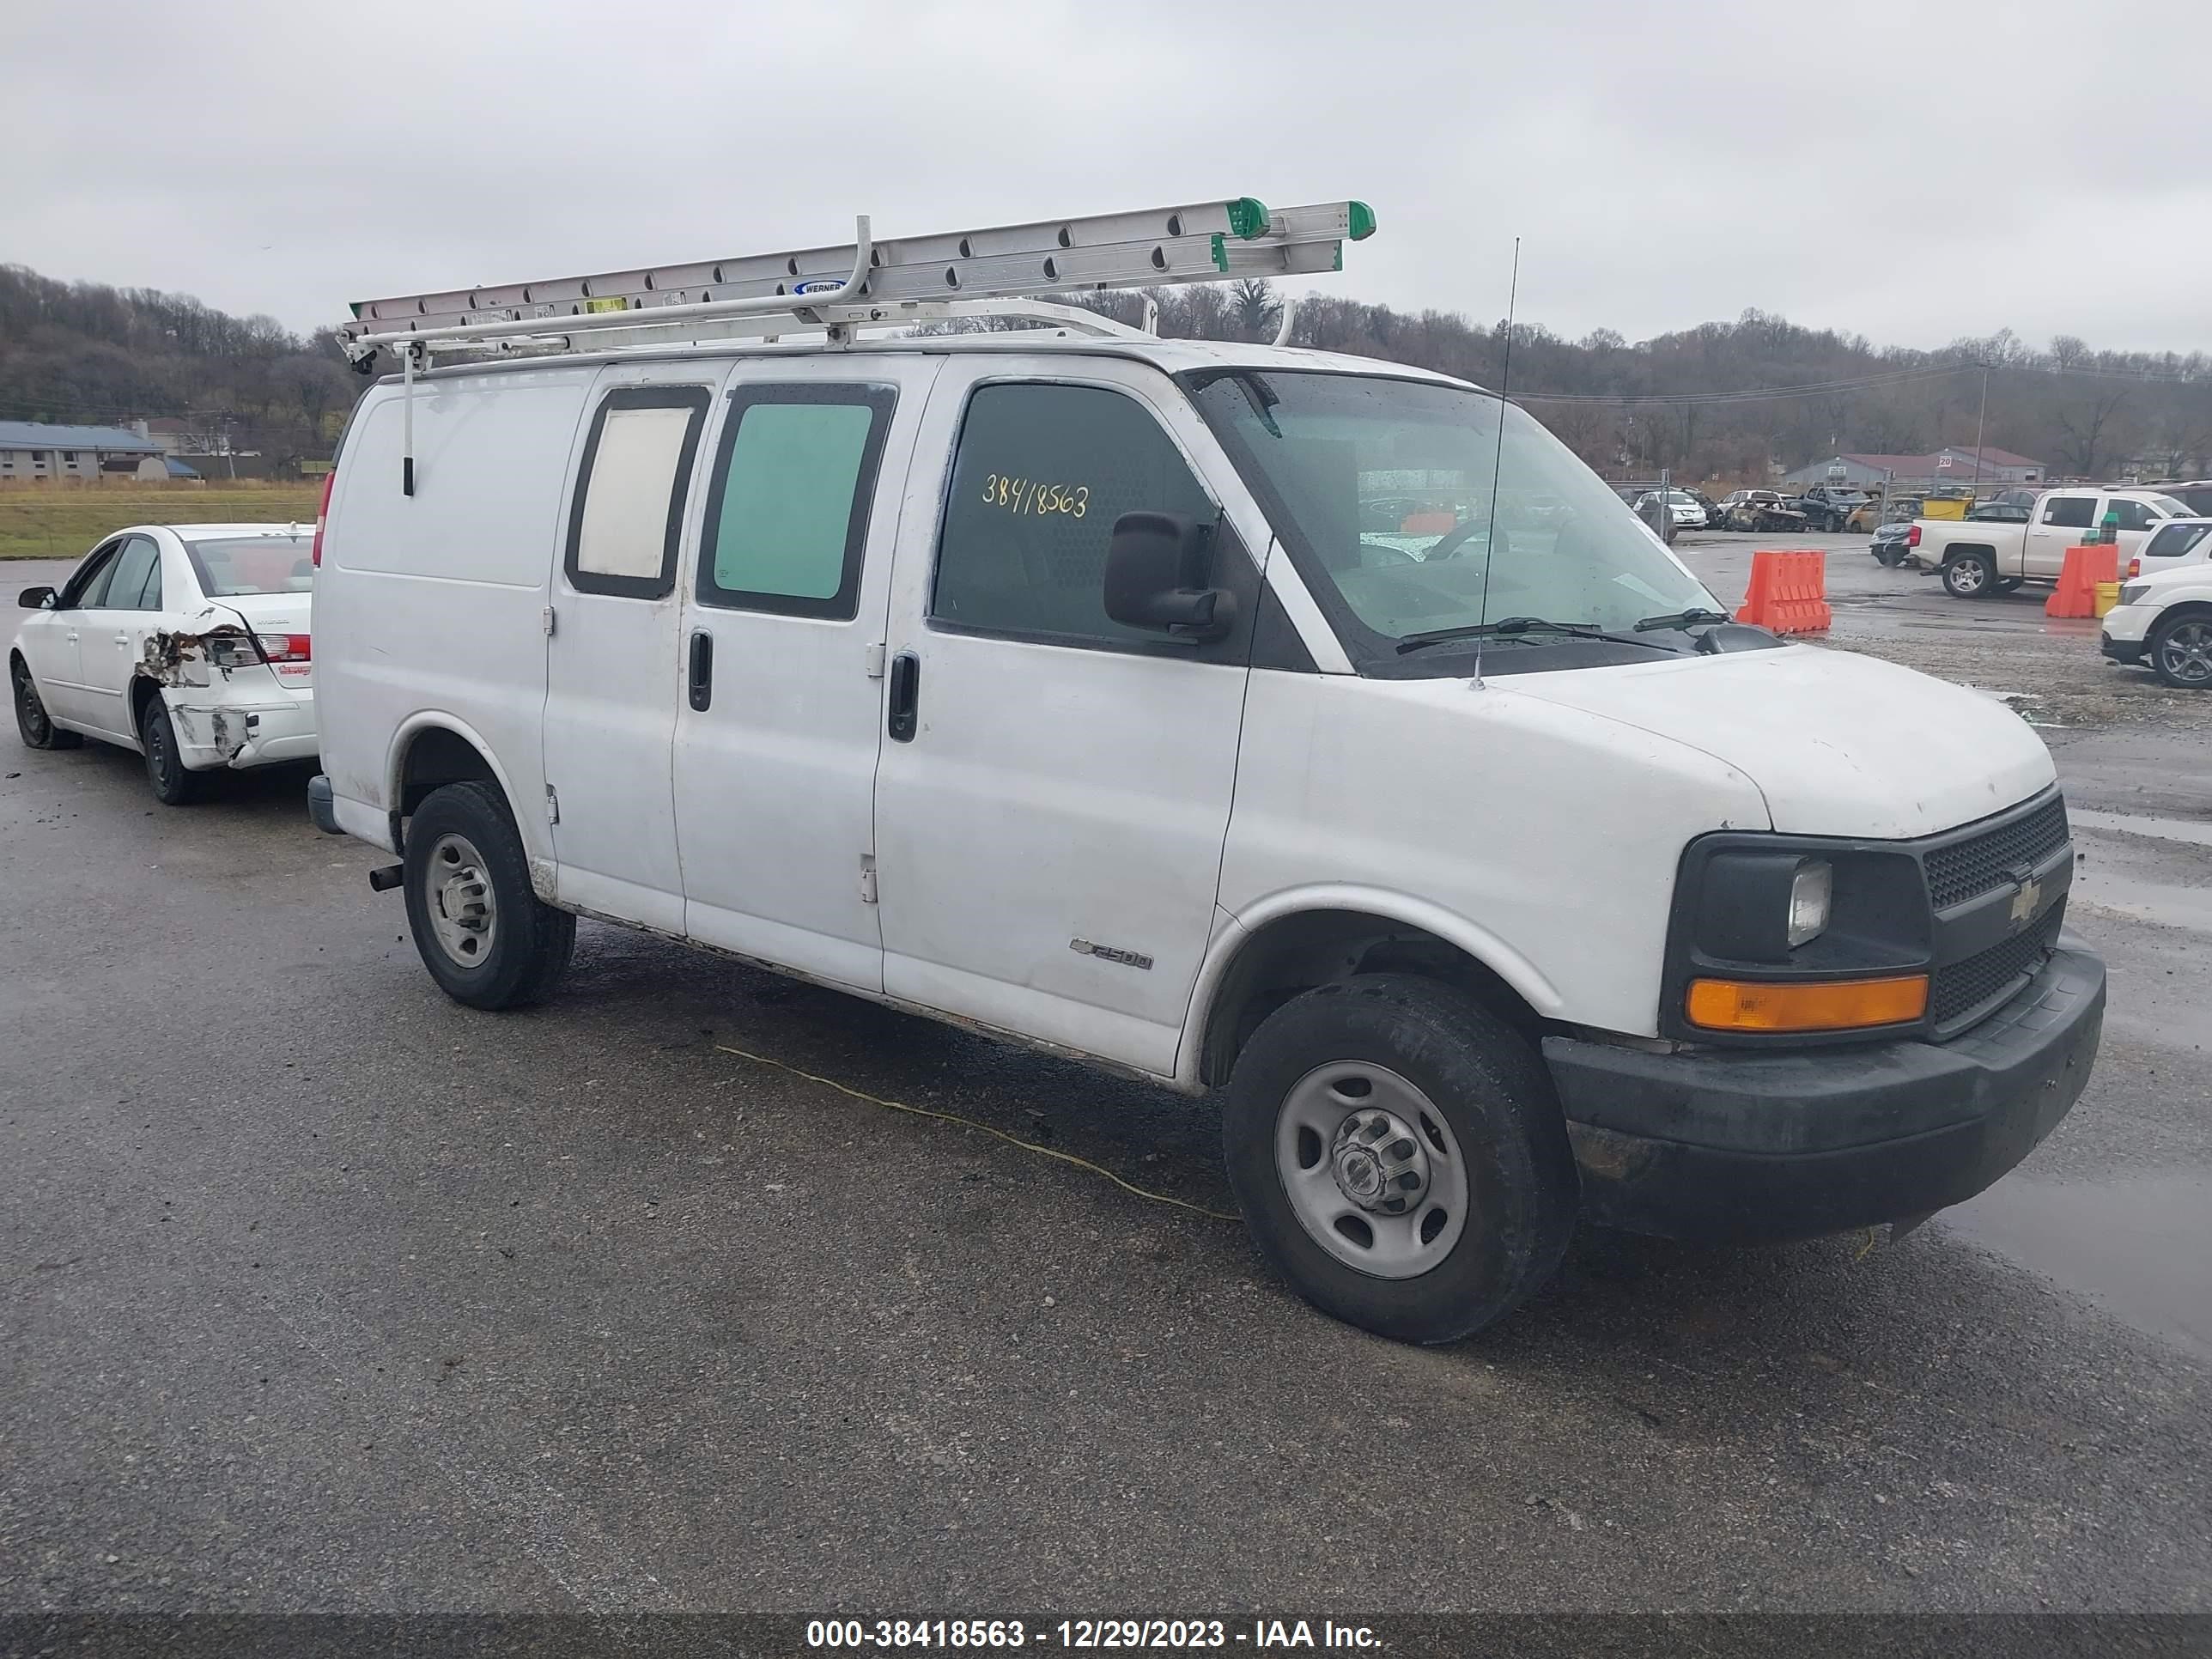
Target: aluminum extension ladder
point(867, 284)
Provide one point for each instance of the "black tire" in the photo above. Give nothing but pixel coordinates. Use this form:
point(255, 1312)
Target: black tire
point(32, 721)
point(2009, 584)
point(1503, 1116)
point(2180, 651)
point(1970, 576)
point(529, 943)
point(175, 783)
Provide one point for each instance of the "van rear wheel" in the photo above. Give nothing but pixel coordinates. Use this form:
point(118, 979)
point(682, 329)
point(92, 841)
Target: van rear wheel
point(1400, 1156)
point(483, 933)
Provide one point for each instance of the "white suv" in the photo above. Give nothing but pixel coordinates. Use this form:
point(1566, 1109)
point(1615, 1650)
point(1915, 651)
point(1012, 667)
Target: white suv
point(1055, 684)
point(2164, 619)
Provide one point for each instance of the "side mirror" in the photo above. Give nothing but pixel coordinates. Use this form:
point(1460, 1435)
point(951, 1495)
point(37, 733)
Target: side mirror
point(36, 599)
point(1158, 565)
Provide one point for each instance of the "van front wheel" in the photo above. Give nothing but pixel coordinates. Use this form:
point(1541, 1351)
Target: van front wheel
point(481, 931)
point(1400, 1157)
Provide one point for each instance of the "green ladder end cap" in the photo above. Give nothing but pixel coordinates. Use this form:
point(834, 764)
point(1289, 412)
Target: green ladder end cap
point(1248, 217)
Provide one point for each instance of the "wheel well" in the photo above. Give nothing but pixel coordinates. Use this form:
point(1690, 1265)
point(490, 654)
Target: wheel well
point(435, 757)
point(143, 691)
point(2186, 608)
point(1297, 953)
point(1956, 549)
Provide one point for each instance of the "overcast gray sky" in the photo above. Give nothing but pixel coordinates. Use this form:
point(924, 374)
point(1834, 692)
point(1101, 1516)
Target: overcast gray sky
point(1913, 171)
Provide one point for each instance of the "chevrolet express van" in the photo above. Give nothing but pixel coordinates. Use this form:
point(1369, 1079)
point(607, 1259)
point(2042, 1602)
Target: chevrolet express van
point(1234, 716)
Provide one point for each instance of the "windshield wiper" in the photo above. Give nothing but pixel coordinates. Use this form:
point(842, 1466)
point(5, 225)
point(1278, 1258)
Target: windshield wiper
point(1514, 628)
point(1691, 618)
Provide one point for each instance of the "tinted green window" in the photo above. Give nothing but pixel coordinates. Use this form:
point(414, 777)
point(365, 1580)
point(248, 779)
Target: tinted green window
point(787, 529)
point(1042, 473)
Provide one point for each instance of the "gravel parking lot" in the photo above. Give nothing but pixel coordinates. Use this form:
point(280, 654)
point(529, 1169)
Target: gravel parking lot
point(325, 1293)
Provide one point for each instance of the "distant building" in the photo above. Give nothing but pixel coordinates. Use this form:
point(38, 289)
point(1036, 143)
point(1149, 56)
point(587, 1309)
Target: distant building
point(1950, 466)
point(35, 450)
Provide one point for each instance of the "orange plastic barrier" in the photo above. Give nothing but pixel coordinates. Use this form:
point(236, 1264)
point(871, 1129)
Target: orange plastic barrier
point(1789, 592)
point(2076, 592)
point(1428, 524)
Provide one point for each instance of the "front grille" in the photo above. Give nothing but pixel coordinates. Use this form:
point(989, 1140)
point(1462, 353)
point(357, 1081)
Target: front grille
point(1969, 868)
point(1965, 986)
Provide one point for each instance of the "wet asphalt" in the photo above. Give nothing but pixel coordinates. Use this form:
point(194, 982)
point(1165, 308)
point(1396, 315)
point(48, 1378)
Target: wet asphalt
point(322, 1293)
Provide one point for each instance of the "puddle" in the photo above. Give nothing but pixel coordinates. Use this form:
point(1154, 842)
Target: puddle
point(2128, 824)
point(2169, 904)
point(2138, 1246)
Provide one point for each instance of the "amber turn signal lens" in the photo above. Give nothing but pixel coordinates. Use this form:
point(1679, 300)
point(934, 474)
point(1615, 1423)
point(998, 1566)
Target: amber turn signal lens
point(1729, 1005)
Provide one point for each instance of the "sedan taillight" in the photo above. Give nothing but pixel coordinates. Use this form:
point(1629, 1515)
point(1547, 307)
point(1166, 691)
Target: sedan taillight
point(284, 647)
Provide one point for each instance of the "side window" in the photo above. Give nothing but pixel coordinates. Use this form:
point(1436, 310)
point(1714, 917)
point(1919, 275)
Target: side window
point(88, 587)
point(1041, 474)
point(2072, 512)
point(2175, 540)
point(628, 512)
point(786, 524)
point(2134, 515)
point(138, 563)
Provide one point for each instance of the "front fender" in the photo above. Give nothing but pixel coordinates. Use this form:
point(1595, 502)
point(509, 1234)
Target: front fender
point(1236, 931)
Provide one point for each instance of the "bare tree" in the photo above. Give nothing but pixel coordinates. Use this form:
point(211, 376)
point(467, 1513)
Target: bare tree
point(2085, 429)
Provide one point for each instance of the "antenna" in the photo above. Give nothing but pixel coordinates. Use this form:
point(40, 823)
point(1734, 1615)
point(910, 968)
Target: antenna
point(1497, 457)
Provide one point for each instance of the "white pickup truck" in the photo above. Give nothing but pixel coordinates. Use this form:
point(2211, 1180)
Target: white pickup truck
point(1979, 557)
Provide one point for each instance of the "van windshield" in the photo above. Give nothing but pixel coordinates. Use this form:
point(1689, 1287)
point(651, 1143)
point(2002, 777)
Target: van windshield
point(1410, 511)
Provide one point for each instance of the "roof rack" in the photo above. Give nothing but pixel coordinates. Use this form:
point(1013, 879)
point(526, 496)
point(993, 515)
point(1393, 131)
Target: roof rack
point(996, 272)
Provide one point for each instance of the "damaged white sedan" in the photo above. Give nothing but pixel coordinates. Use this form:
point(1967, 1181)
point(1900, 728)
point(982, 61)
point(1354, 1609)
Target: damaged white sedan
point(188, 643)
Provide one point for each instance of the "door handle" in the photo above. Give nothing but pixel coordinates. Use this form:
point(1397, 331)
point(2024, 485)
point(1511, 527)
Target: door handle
point(123, 639)
point(905, 696)
point(702, 669)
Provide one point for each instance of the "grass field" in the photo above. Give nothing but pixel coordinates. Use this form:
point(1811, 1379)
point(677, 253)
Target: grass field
point(61, 521)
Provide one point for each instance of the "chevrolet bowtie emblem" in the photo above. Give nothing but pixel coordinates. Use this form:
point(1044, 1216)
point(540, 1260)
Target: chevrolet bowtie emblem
point(2025, 899)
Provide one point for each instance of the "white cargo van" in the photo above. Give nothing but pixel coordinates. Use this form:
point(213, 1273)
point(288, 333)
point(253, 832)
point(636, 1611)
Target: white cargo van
point(1230, 715)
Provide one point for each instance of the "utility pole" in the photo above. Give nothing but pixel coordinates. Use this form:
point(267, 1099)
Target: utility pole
point(1980, 422)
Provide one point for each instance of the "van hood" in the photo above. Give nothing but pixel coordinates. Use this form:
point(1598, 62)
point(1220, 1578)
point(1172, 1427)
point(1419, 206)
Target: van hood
point(1839, 744)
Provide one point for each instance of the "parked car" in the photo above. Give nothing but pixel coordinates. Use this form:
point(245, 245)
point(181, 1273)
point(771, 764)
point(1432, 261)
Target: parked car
point(1498, 888)
point(1829, 508)
point(2178, 541)
point(1979, 554)
point(2195, 495)
point(2164, 620)
point(188, 643)
point(1760, 510)
point(1682, 507)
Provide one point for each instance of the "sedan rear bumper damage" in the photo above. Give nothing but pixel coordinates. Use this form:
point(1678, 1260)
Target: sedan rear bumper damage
point(215, 733)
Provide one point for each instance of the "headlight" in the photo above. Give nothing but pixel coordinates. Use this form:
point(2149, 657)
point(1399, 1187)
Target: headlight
point(1809, 893)
point(2133, 592)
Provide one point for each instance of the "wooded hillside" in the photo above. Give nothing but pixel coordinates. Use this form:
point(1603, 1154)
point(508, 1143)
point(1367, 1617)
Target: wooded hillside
point(1719, 402)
